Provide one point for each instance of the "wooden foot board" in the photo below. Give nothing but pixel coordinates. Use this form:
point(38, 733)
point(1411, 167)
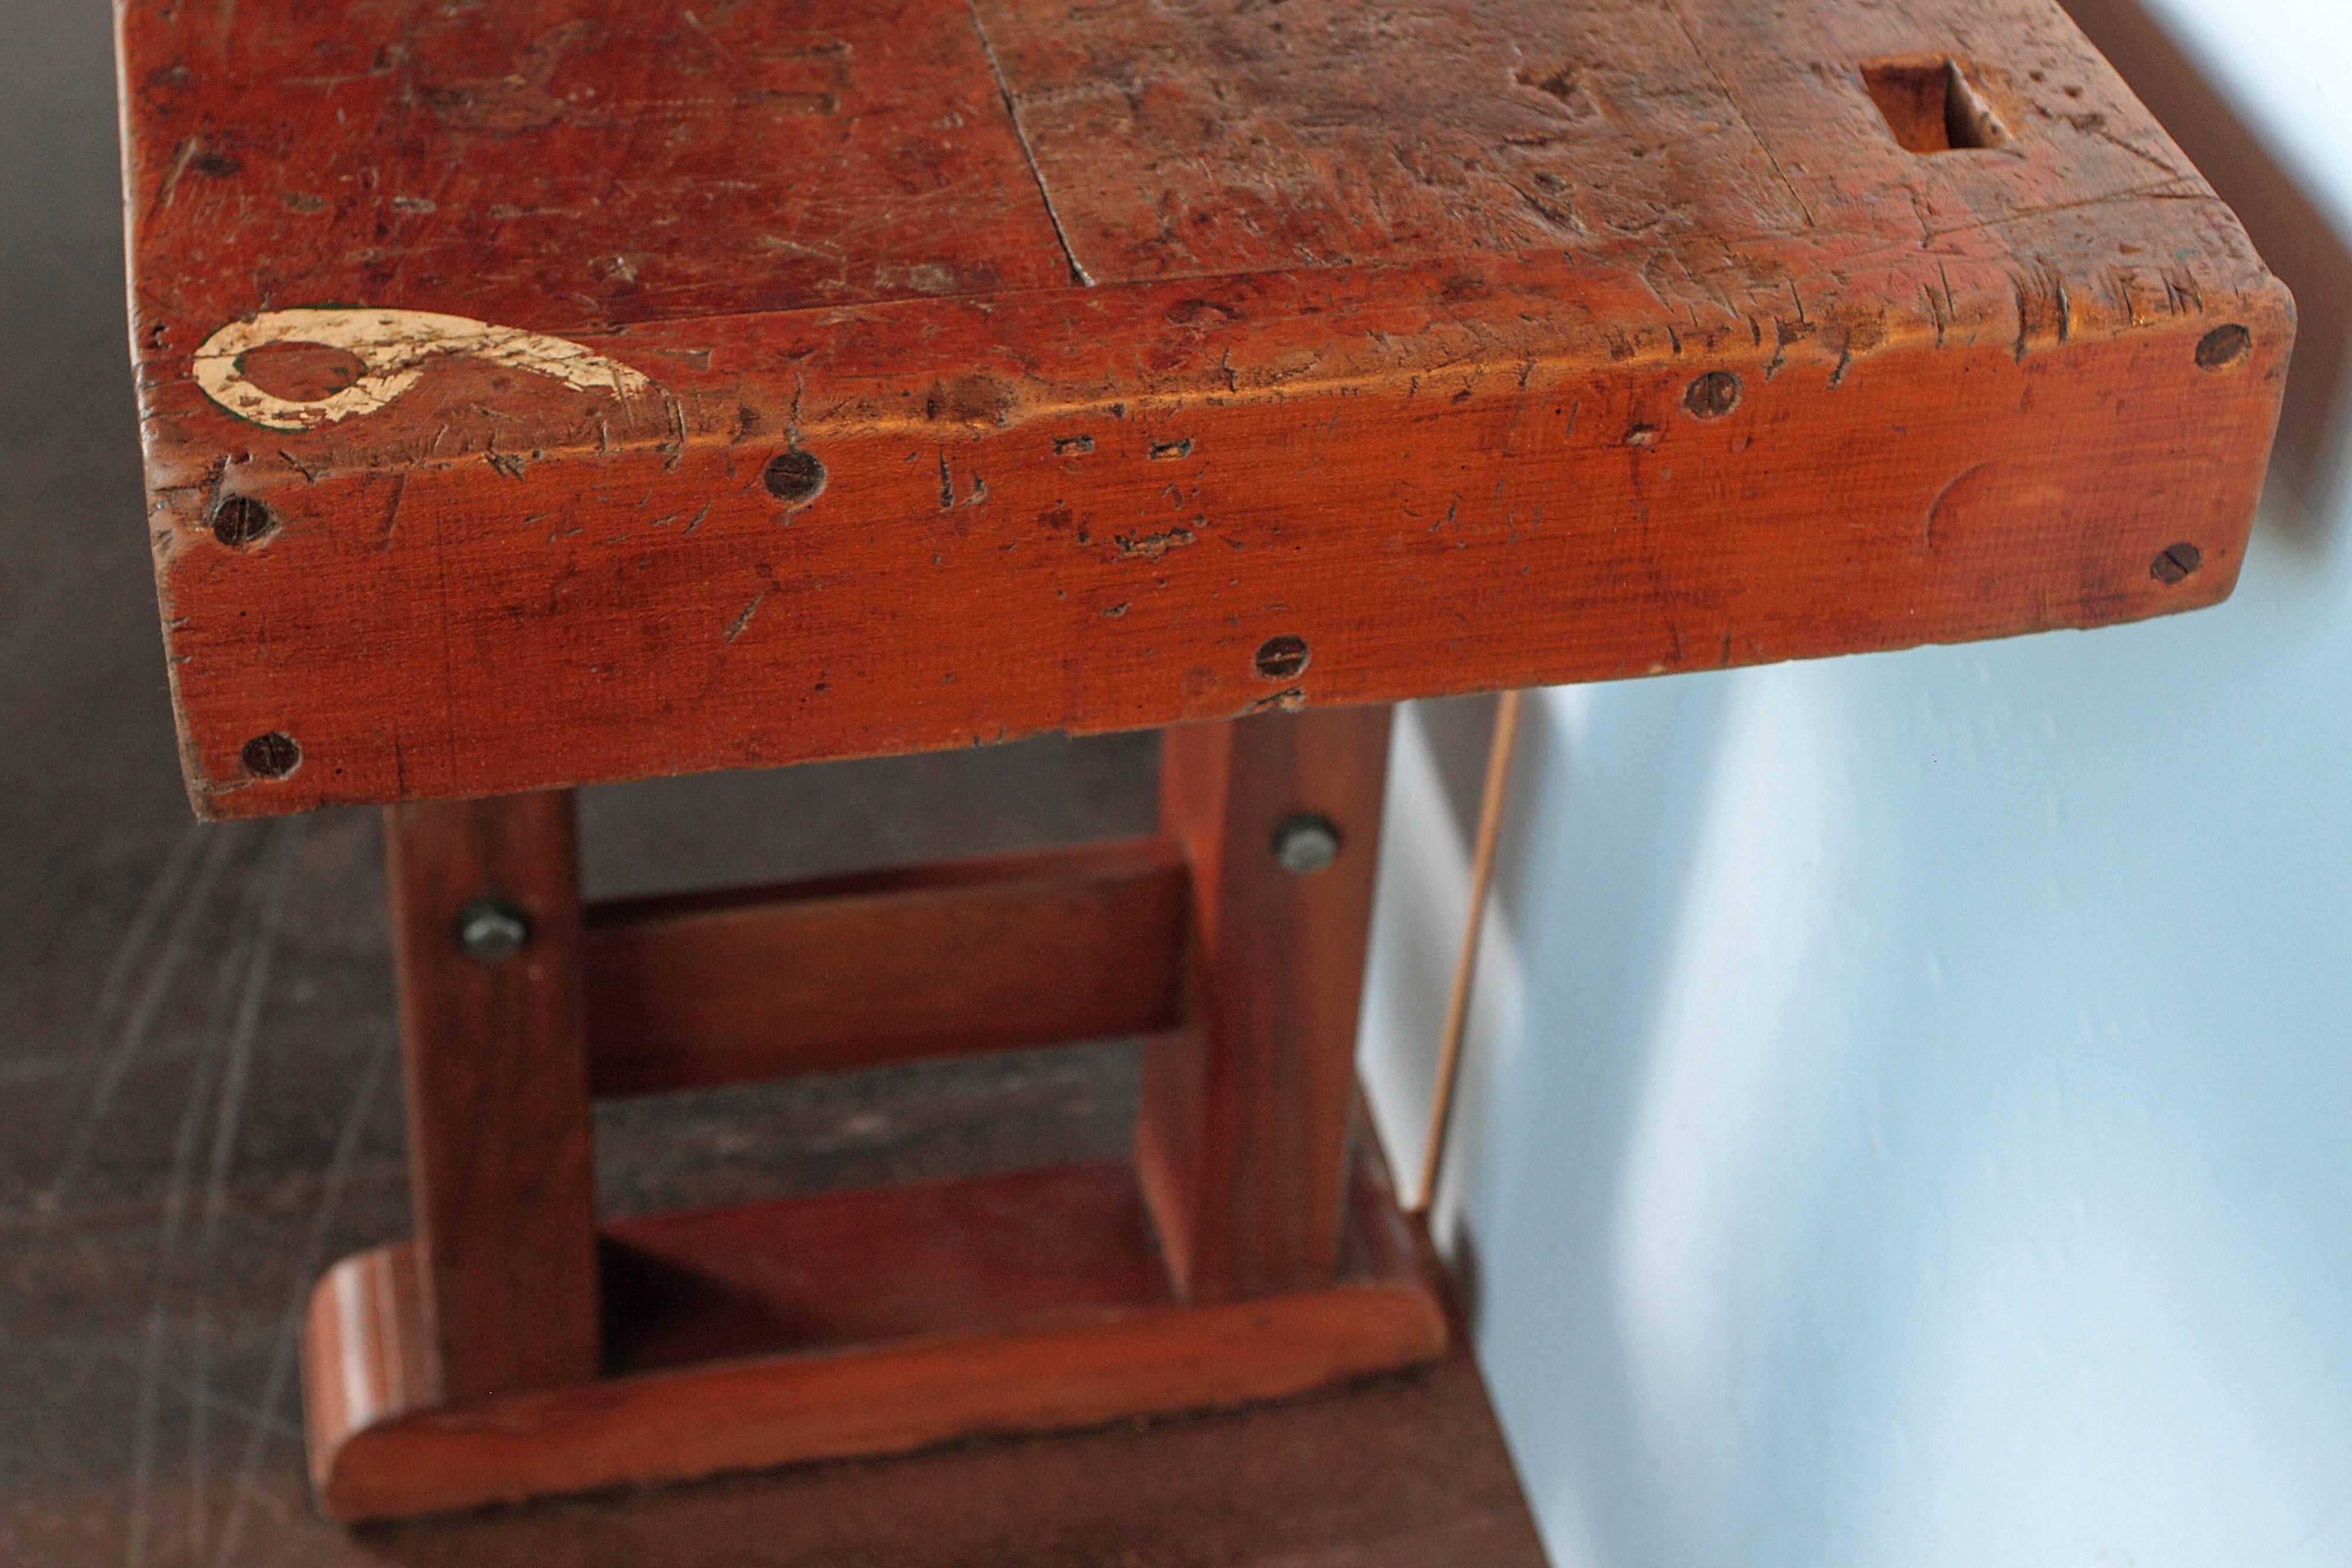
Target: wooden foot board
point(858, 1323)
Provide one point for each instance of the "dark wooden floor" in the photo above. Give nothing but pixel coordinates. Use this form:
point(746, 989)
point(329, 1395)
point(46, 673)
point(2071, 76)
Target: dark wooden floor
point(199, 1104)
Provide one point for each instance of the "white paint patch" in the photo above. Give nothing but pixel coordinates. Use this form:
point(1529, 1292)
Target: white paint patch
point(393, 345)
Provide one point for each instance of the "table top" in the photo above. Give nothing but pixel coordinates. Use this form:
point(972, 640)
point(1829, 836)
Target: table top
point(543, 392)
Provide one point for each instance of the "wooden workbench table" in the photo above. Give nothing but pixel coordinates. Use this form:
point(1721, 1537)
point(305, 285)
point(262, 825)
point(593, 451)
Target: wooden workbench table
point(539, 394)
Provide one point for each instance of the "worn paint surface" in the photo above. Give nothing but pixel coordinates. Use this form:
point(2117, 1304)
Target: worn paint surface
point(1015, 366)
point(391, 348)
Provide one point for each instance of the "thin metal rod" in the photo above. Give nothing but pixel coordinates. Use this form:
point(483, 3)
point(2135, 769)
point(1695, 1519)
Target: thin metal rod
point(1482, 880)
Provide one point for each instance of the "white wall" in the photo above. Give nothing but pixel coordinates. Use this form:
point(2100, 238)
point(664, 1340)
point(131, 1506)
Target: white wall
point(1908, 1111)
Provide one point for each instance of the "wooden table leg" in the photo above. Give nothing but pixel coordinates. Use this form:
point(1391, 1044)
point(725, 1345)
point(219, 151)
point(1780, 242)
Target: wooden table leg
point(1246, 1114)
point(501, 1155)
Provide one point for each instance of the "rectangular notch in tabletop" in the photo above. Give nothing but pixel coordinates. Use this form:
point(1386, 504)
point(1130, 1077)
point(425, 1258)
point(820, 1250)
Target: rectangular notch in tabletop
point(1931, 106)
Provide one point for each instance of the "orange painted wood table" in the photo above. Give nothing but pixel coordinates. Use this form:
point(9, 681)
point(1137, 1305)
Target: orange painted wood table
point(559, 391)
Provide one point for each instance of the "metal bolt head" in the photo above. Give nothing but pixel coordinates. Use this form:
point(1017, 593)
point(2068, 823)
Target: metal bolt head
point(2176, 563)
point(794, 477)
point(270, 756)
point(2223, 347)
point(240, 520)
point(492, 930)
point(1712, 396)
point(1281, 658)
point(1306, 844)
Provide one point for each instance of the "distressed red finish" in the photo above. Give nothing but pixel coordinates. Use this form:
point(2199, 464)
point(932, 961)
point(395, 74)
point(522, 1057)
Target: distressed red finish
point(1471, 345)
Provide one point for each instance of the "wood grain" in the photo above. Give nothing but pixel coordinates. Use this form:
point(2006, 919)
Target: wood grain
point(1476, 346)
point(1120, 1357)
point(1247, 1111)
point(1237, 138)
point(501, 1171)
point(566, 164)
point(704, 990)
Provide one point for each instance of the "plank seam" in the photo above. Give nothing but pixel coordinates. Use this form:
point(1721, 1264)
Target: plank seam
point(1078, 273)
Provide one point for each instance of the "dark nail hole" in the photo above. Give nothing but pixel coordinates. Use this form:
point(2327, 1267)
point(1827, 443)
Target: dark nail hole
point(1165, 450)
point(1931, 106)
point(240, 520)
point(1713, 395)
point(794, 477)
point(2223, 346)
point(2177, 563)
point(271, 756)
point(1279, 658)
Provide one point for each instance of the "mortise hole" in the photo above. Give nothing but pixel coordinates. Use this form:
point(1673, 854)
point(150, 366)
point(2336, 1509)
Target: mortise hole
point(1280, 658)
point(271, 756)
point(1930, 105)
point(2176, 563)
